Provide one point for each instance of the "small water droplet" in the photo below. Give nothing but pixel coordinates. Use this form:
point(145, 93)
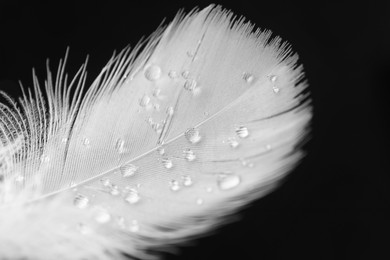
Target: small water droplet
point(64, 140)
point(192, 135)
point(128, 170)
point(144, 101)
point(248, 77)
point(190, 84)
point(156, 92)
point(167, 163)
point(132, 197)
point(173, 74)
point(251, 165)
point(114, 190)
point(227, 182)
point(86, 141)
point(19, 179)
point(153, 73)
point(119, 145)
point(105, 182)
point(81, 201)
point(134, 227)
point(273, 78)
point(161, 150)
point(275, 89)
point(175, 186)
point(185, 74)
point(206, 113)
point(242, 132)
point(187, 180)
point(103, 216)
point(189, 155)
point(170, 111)
point(199, 201)
point(233, 142)
point(268, 147)
point(209, 189)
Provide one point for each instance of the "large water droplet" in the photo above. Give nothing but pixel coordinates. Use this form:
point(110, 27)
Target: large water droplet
point(187, 181)
point(242, 132)
point(233, 142)
point(153, 73)
point(103, 216)
point(132, 197)
point(192, 135)
point(227, 182)
point(189, 155)
point(128, 170)
point(167, 163)
point(144, 101)
point(175, 186)
point(248, 77)
point(190, 84)
point(119, 145)
point(81, 201)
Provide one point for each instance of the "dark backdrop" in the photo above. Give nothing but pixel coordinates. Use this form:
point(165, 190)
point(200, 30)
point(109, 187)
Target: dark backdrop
point(334, 205)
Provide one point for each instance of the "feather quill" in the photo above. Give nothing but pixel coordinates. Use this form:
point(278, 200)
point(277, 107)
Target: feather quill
point(170, 139)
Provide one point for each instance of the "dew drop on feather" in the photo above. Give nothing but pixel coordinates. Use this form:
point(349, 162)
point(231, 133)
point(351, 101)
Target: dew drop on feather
point(227, 182)
point(233, 142)
point(190, 84)
point(175, 186)
point(132, 197)
point(119, 145)
point(249, 78)
point(189, 155)
point(187, 181)
point(114, 190)
point(144, 101)
point(103, 216)
point(153, 73)
point(172, 74)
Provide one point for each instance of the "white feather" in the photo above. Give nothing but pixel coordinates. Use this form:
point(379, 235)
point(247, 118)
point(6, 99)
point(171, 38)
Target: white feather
point(166, 143)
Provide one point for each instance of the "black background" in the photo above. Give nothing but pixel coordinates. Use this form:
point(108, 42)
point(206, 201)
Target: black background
point(335, 204)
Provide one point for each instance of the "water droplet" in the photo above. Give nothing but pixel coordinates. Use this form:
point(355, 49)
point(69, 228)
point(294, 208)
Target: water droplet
point(156, 92)
point(170, 111)
point(64, 140)
point(172, 74)
point(189, 155)
point(251, 165)
point(227, 182)
point(114, 190)
point(144, 101)
point(175, 186)
point(249, 78)
point(105, 182)
point(132, 197)
point(81, 201)
point(86, 141)
point(242, 132)
point(185, 74)
point(134, 227)
point(119, 145)
point(128, 170)
point(161, 150)
point(209, 189)
point(153, 73)
point(275, 89)
point(206, 113)
point(192, 135)
point(190, 84)
point(103, 216)
point(187, 181)
point(199, 201)
point(273, 78)
point(167, 163)
point(233, 142)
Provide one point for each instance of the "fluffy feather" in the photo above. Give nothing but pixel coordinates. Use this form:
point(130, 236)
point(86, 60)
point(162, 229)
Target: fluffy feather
point(170, 139)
